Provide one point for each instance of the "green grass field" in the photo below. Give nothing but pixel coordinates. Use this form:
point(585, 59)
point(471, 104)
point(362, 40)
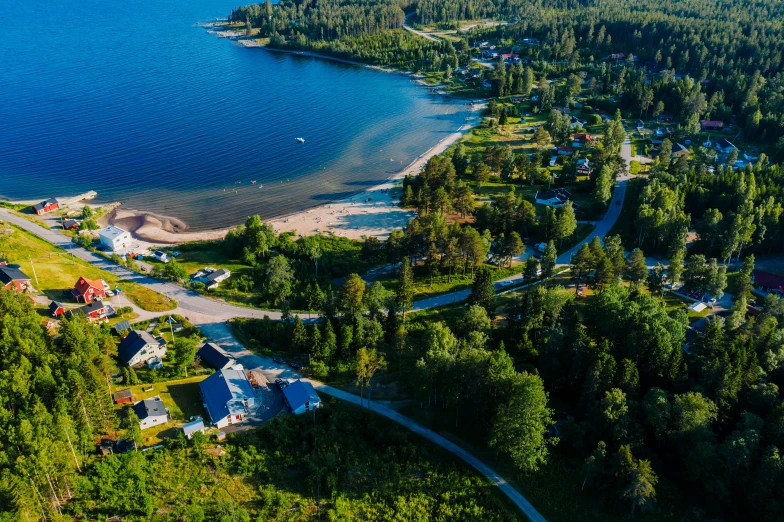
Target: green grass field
point(54, 271)
point(180, 396)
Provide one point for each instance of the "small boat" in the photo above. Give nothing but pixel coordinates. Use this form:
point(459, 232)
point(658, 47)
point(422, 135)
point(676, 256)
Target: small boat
point(301, 140)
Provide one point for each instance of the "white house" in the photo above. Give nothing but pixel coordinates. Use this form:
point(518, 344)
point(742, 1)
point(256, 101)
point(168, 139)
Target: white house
point(139, 347)
point(553, 198)
point(151, 412)
point(190, 428)
point(301, 397)
point(115, 238)
point(211, 276)
point(227, 396)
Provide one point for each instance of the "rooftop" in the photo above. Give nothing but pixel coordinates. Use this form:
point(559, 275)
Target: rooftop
point(768, 280)
point(213, 356)
point(298, 393)
point(112, 232)
point(8, 274)
point(189, 428)
point(224, 391)
point(134, 343)
point(150, 408)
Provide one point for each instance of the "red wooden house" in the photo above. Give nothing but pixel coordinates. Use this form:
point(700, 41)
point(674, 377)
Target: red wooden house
point(46, 206)
point(711, 125)
point(92, 311)
point(86, 290)
point(14, 279)
point(57, 309)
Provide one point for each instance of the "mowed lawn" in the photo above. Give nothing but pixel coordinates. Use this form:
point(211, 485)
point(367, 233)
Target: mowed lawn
point(180, 396)
point(212, 253)
point(54, 271)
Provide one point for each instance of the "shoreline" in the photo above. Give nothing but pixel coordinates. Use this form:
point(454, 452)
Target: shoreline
point(374, 211)
point(370, 212)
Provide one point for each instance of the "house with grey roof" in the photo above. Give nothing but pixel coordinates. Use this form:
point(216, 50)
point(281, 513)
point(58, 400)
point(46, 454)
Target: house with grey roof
point(190, 428)
point(151, 412)
point(138, 347)
point(211, 277)
point(14, 279)
point(227, 396)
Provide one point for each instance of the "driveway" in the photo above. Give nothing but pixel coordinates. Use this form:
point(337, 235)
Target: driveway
point(605, 224)
point(221, 334)
point(420, 33)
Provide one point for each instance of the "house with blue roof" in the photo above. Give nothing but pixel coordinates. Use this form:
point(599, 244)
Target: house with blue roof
point(301, 397)
point(211, 355)
point(227, 396)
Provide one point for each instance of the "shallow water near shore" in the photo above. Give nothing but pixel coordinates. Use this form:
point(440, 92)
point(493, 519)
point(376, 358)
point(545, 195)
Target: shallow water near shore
point(137, 102)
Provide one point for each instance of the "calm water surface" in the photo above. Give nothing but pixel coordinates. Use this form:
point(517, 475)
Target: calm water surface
point(135, 101)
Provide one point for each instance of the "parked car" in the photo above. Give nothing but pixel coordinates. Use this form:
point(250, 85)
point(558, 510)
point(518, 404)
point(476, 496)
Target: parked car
point(109, 293)
point(278, 360)
point(617, 202)
point(281, 383)
point(160, 255)
point(295, 365)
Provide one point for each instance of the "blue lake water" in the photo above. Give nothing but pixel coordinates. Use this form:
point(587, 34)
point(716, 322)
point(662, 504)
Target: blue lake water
point(135, 101)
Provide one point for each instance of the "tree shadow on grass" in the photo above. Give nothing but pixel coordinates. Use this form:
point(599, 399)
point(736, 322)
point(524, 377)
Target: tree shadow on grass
point(186, 398)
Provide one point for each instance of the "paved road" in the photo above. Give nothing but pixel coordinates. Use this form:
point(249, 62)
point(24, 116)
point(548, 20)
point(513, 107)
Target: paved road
point(189, 302)
point(420, 33)
point(605, 224)
point(221, 334)
point(212, 316)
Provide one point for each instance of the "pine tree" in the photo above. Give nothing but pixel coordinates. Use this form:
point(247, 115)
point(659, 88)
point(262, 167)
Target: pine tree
point(404, 296)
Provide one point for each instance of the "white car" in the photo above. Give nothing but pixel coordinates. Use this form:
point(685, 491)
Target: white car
point(161, 256)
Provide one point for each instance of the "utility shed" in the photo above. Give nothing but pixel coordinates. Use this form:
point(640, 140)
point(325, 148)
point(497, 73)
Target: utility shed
point(123, 396)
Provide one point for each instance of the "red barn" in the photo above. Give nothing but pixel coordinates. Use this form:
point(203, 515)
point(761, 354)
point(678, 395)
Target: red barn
point(56, 308)
point(86, 290)
point(14, 279)
point(46, 206)
point(92, 311)
point(711, 125)
point(123, 396)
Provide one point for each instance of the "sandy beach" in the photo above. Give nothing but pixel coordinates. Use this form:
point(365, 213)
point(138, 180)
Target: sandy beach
point(155, 228)
point(373, 212)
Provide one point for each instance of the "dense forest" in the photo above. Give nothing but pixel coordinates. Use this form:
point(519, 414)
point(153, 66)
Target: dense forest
point(342, 464)
point(640, 399)
point(718, 59)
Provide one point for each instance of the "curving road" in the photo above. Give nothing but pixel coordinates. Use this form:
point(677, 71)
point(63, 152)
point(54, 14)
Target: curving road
point(221, 334)
point(423, 34)
point(604, 225)
point(212, 316)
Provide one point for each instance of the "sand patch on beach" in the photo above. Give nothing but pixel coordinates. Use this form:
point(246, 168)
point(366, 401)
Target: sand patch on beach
point(374, 212)
point(155, 228)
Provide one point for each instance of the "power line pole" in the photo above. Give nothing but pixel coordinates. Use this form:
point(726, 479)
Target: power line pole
point(34, 274)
